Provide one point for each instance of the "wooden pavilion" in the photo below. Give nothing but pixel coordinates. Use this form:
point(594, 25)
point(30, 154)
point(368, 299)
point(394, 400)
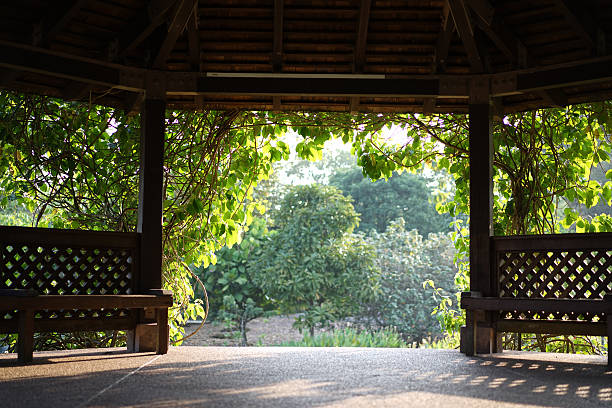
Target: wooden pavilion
point(454, 56)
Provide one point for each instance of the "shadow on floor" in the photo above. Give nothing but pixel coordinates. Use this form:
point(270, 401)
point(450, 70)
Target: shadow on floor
point(296, 377)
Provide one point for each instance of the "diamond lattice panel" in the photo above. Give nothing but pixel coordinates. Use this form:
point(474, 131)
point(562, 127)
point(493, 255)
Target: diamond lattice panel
point(555, 274)
point(67, 270)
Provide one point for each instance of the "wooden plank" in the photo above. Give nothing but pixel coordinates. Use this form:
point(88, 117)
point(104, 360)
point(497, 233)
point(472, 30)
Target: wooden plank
point(537, 305)
point(146, 22)
point(533, 243)
point(69, 302)
point(72, 325)
point(151, 192)
point(179, 20)
point(581, 74)
point(64, 237)
point(551, 327)
point(466, 32)
point(444, 40)
point(57, 19)
point(583, 29)
point(362, 36)
point(481, 198)
point(314, 86)
point(193, 40)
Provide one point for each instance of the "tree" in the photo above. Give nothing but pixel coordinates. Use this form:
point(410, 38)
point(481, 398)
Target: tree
point(312, 264)
point(407, 262)
point(403, 195)
point(232, 292)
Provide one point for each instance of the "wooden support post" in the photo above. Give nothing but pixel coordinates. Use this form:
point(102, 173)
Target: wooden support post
point(163, 335)
point(150, 198)
point(481, 213)
point(150, 194)
point(25, 340)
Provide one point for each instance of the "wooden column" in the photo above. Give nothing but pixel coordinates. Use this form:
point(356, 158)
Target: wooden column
point(481, 197)
point(152, 129)
point(479, 335)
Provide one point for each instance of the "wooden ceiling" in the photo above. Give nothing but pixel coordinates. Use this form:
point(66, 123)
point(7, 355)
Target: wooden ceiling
point(326, 55)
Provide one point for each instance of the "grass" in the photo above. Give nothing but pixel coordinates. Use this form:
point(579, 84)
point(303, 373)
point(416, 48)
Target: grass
point(385, 338)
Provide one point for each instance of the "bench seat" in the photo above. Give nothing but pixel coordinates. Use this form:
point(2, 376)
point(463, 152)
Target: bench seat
point(474, 302)
point(27, 303)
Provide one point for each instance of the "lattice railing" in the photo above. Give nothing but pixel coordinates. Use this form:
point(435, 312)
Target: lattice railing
point(570, 266)
point(57, 262)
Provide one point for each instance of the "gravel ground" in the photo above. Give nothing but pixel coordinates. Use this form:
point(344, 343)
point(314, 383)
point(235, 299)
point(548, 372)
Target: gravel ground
point(264, 331)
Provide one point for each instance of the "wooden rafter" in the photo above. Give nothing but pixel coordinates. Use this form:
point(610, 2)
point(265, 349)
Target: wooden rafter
point(444, 40)
point(184, 11)
point(193, 39)
point(55, 21)
point(360, 46)
point(510, 45)
point(362, 36)
point(466, 33)
point(139, 29)
point(586, 30)
point(277, 47)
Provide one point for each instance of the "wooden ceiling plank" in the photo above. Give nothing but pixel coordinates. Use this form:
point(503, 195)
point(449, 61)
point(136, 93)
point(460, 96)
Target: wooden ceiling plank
point(483, 9)
point(277, 46)
point(444, 40)
point(585, 27)
point(55, 22)
point(193, 39)
point(184, 11)
point(146, 22)
point(362, 36)
point(464, 28)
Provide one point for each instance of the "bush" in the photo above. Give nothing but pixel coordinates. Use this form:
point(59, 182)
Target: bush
point(407, 262)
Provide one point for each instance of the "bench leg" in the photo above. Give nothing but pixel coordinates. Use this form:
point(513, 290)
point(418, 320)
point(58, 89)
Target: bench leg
point(608, 301)
point(468, 334)
point(163, 335)
point(25, 339)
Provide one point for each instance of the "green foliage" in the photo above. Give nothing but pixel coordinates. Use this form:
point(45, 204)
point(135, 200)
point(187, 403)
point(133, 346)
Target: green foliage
point(407, 262)
point(233, 295)
point(76, 166)
point(348, 337)
point(402, 195)
point(312, 263)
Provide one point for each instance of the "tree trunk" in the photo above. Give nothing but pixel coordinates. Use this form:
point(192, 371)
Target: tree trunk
point(243, 331)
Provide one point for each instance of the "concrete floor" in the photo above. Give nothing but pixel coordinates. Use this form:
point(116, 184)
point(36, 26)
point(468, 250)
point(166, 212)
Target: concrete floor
point(303, 377)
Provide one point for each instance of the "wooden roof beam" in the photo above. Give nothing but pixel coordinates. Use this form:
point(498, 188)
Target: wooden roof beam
point(184, 10)
point(139, 29)
point(25, 58)
point(577, 18)
point(193, 40)
point(277, 46)
point(504, 39)
point(360, 46)
point(466, 32)
point(444, 40)
point(362, 36)
point(55, 21)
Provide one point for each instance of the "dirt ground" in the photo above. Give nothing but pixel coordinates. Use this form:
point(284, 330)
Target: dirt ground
point(264, 331)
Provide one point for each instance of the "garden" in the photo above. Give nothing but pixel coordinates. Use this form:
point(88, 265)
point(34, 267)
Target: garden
point(264, 220)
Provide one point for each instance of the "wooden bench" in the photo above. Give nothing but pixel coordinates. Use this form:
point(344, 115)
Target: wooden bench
point(67, 281)
point(547, 284)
